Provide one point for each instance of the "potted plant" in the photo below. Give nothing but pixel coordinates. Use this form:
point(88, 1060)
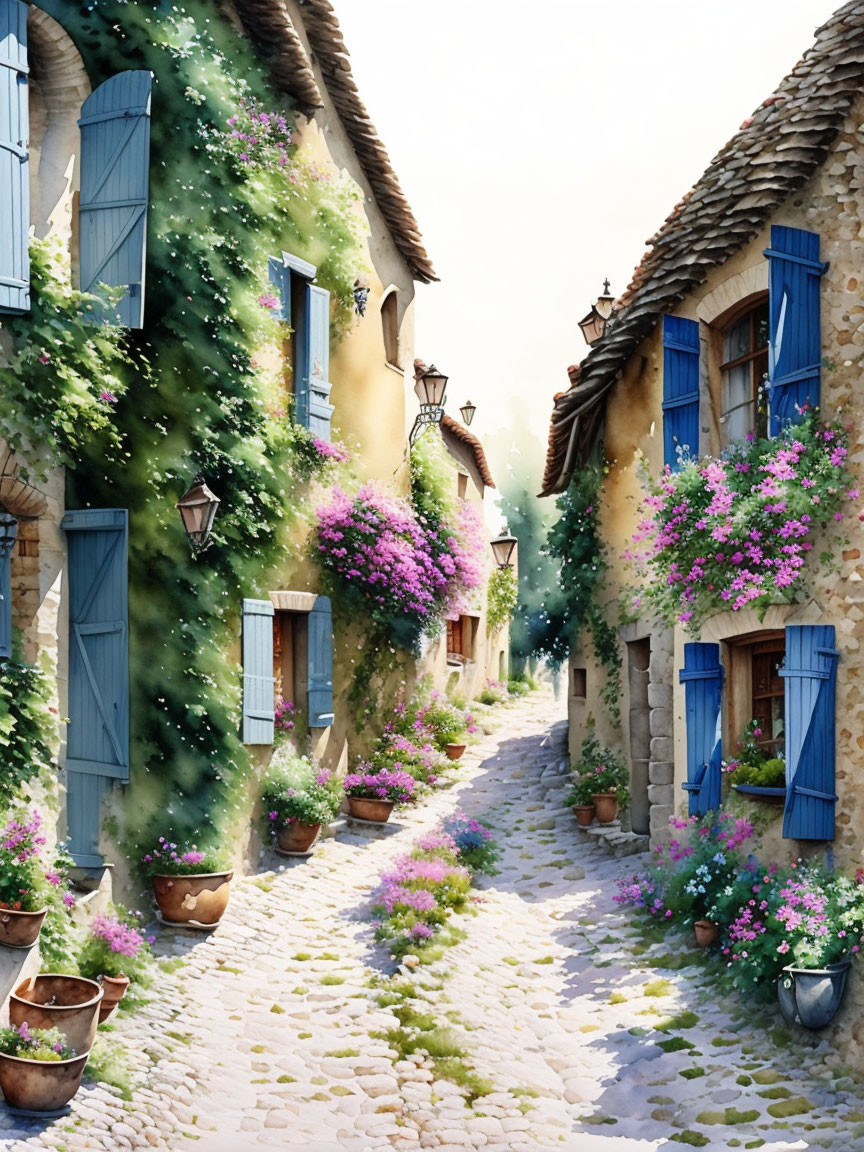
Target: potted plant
point(38, 1071)
point(373, 795)
point(30, 887)
point(444, 723)
point(606, 776)
point(754, 771)
point(191, 885)
point(297, 799)
point(581, 799)
point(115, 951)
point(69, 1004)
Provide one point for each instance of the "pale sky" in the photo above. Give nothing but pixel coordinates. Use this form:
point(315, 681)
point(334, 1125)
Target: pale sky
point(540, 145)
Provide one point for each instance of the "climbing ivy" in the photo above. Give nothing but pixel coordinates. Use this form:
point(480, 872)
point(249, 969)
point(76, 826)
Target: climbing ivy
point(28, 727)
point(502, 596)
point(187, 394)
point(574, 539)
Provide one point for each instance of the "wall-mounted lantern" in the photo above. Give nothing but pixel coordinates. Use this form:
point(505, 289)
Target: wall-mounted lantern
point(8, 532)
point(430, 387)
point(503, 547)
point(197, 508)
point(468, 409)
point(594, 324)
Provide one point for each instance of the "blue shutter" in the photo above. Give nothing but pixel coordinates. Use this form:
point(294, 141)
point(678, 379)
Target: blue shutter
point(258, 679)
point(280, 278)
point(115, 181)
point(702, 677)
point(320, 671)
point(313, 396)
point(810, 672)
point(97, 749)
point(14, 159)
point(5, 604)
point(795, 348)
point(680, 389)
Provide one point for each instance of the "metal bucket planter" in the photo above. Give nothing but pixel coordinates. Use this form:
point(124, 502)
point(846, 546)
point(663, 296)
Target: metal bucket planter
point(297, 837)
point(69, 1003)
point(41, 1086)
point(367, 808)
point(20, 929)
point(197, 900)
point(811, 996)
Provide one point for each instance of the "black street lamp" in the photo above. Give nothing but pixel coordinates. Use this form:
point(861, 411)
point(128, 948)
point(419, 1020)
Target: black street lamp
point(503, 547)
point(430, 387)
point(468, 409)
point(594, 324)
point(197, 508)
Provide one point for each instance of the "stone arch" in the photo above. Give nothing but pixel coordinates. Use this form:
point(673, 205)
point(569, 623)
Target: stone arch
point(18, 495)
point(732, 291)
point(59, 85)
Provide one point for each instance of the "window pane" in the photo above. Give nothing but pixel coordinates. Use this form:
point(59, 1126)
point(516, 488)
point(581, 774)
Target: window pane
point(738, 407)
point(737, 341)
point(761, 325)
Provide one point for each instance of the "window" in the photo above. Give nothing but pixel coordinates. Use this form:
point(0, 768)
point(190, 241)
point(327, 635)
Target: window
point(461, 485)
point(461, 639)
point(390, 328)
point(767, 694)
point(744, 368)
point(580, 683)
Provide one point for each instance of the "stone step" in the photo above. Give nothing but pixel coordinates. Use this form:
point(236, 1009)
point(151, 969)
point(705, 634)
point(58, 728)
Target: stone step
point(611, 838)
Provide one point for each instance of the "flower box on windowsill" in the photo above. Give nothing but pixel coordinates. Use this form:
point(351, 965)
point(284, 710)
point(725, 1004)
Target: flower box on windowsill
point(776, 796)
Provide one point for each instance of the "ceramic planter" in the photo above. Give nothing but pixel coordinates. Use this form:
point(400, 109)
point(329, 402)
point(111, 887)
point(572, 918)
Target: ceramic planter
point(584, 814)
point(775, 796)
point(606, 805)
point(811, 996)
point(297, 836)
point(113, 991)
point(198, 900)
point(454, 751)
point(367, 808)
point(706, 932)
point(40, 1085)
point(20, 929)
point(69, 1003)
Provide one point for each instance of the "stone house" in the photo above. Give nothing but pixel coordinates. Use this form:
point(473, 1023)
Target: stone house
point(165, 667)
point(746, 309)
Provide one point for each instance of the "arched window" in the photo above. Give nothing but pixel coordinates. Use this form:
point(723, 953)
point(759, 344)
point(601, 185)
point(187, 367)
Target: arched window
point(744, 368)
point(390, 328)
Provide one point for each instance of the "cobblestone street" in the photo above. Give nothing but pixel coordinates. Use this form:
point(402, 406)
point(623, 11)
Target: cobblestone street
point(268, 1033)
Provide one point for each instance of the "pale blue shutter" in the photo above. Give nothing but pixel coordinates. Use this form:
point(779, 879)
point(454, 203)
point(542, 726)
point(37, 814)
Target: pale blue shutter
point(702, 677)
point(810, 671)
point(280, 278)
point(115, 181)
point(795, 346)
point(97, 749)
point(680, 389)
point(5, 605)
point(320, 670)
point(315, 366)
point(14, 159)
point(258, 679)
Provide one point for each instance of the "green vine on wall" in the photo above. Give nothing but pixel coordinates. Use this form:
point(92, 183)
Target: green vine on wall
point(501, 598)
point(27, 728)
point(575, 541)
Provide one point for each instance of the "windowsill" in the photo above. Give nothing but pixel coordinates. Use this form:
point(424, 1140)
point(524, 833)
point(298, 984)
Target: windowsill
point(394, 367)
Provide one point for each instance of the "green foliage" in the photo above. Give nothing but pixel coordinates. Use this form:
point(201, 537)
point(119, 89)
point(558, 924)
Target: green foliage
point(502, 596)
point(116, 946)
point(27, 728)
point(574, 540)
point(110, 1065)
point(769, 774)
point(190, 396)
point(601, 769)
point(47, 1045)
point(294, 789)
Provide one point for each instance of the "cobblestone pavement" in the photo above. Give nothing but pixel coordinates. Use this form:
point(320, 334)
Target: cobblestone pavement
point(263, 1034)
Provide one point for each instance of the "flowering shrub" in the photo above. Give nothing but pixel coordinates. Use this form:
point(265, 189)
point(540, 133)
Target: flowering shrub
point(753, 762)
point(331, 450)
point(43, 1044)
point(283, 720)
point(258, 139)
point(599, 770)
point(170, 859)
point(28, 882)
point(736, 531)
point(296, 791)
point(387, 784)
point(418, 757)
point(114, 946)
point(417, 897)
point(439, 721)
point(473, 841)
point(494, 692)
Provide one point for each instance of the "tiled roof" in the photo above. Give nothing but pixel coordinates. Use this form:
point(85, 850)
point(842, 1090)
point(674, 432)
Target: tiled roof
point(452, 430)
point(773, 153)
point(270, 27)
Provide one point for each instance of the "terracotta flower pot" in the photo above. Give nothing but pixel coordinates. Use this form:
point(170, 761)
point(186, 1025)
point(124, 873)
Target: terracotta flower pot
point(606, 804)
point(40, 1085)
point(706, 932)
point(69, 1003)
point(20, 929)
point(454, 751)
point(584, 814)
point(199, 899)
point(368, 808)
point(297, 836)
point(113, 991)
